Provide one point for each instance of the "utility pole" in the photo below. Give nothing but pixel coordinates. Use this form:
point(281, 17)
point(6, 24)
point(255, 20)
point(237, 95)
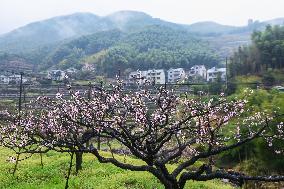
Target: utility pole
point(24, 91)
point(99, 137)
point(226, 74)
point(89, 91)
point(119, 73)
point(89, 99)
point(21, 90)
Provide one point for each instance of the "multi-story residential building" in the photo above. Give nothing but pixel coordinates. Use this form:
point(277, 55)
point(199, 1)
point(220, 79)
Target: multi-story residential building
point(175, 75)
point(213, 73)
point(197, 70)
point(138, 77)
point(156, 76)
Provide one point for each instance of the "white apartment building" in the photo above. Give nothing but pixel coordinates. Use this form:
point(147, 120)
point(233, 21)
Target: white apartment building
point(197, 70)
point(139, 77)
point(175, 75)
point(156, 76)
point(213, 73)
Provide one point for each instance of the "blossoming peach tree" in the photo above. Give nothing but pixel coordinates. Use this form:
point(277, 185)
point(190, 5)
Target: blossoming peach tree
point(159, 127)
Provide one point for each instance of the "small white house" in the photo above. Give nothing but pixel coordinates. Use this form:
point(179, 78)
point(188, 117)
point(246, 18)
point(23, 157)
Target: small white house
point(175, 75)
point(4, 79)
point(197, 70)
point(213, 73)
point(88, 67)
point(56, 75)
point(71, 70)
point(138, 77)
point(12, 78)
point(15, 78)
point(156, 76)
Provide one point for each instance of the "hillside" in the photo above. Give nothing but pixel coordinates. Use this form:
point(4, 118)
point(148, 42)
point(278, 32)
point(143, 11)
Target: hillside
point(60, 28)
point(151, 47)
point(42, 42)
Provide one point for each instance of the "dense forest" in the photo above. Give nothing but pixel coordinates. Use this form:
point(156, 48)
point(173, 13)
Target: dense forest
point(266, 52)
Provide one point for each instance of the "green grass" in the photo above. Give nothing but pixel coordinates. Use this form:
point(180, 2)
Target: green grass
point(30, 175)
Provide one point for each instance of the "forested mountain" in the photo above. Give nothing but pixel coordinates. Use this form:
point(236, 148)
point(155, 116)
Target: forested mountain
point(136, 37)
point(60, 28)
point(54, 30)
point(151, 47)
point(70, 53)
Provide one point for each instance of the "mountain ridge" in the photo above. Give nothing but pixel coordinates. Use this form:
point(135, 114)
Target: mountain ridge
point(49, 33)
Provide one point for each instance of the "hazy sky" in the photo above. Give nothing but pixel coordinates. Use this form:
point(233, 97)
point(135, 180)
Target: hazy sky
point(15, 13)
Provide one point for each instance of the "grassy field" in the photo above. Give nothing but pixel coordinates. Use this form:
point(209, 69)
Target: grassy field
point(31, 175)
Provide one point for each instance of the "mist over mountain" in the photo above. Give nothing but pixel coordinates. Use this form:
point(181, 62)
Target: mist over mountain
point(209, 27)
point(75, 25)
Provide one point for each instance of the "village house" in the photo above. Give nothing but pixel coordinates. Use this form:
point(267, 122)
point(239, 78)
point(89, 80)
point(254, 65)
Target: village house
point(197, 70)
point(15, 78)
point(175, 75)
point(214, 72)
point(156, 76)
point(88, 67)
point(4, 79)
point(56, 75)
point(71, 72)
point(138, 77)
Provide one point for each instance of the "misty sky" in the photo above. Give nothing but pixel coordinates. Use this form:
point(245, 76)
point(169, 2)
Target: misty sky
point(15, 13)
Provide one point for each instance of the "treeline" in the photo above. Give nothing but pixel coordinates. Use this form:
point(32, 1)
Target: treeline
point(265, 52)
